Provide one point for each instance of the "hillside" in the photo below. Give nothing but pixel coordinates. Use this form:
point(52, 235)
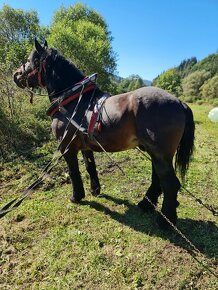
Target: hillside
point(194, 81)
point(147, 82)
point(209, 63)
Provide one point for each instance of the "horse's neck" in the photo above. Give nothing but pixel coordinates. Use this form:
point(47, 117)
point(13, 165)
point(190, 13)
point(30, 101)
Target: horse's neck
point(62, 77)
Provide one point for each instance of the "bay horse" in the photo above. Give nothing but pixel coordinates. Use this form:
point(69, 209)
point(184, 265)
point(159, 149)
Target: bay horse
point(149, 118)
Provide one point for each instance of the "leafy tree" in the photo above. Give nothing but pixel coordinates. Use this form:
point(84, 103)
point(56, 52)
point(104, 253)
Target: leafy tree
point(169, 81)
point(82, 35)
point(186, 65)
point(192, 83)
point(18, 29)
point(191, 78)
point(123, 85)
point(130, 83)
point(209, 64)
point(209, 90)
point(136, 82)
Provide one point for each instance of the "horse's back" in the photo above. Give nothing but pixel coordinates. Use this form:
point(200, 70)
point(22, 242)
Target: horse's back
point(153, 96)
point(155, 102)
point(146, 101)
point(160, 119)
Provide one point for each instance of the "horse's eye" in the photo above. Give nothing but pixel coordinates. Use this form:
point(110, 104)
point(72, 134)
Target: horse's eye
point(36, 62)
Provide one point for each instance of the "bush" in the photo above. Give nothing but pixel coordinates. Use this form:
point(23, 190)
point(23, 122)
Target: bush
point(215, 103)
point(22, 125)
point(192, 83)
point(209, 90)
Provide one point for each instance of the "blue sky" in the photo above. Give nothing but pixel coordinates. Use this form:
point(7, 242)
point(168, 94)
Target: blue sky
point(150, 36)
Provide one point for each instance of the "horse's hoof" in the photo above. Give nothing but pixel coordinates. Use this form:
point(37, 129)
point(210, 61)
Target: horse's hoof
point(145, 206)
point(96, 191)
point(76, 199)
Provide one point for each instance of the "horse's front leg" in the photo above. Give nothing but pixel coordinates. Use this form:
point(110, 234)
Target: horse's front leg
point(77, 184)
point(88, 157)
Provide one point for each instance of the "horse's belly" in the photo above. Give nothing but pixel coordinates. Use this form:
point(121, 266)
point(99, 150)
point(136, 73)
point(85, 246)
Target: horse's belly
point(118, 141)
point(121, 144)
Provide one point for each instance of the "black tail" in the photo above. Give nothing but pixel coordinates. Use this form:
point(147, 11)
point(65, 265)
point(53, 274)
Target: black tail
point(186, 145)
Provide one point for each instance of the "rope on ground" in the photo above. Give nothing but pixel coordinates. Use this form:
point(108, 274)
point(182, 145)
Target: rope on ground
point(198, 200)
point(194, 250)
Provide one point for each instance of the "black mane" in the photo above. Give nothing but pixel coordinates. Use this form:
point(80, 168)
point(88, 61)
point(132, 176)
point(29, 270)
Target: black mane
point(60, 73)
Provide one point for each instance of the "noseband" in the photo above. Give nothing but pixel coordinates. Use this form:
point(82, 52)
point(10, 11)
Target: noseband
point(37, 72)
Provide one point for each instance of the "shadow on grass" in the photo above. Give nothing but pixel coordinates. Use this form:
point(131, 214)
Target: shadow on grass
point(203, 234)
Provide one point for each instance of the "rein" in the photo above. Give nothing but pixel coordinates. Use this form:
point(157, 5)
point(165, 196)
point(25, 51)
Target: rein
point(72, 92)
point(15, 203)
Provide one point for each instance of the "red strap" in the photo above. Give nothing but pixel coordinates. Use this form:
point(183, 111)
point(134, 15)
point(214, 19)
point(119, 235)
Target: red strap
point(39, 76)
point(92, 122)
point(71, 98)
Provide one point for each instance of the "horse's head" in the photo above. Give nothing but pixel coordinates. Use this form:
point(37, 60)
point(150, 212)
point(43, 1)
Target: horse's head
point(32, 73)
point(45, 67)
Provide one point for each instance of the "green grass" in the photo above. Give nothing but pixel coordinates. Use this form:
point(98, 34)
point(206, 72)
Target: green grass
point(106, 242)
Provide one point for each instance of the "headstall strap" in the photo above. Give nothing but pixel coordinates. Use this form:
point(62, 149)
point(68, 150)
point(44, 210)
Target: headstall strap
point(38, 71)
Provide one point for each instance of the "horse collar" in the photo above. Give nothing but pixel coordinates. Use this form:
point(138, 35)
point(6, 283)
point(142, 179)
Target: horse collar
point(78, 89)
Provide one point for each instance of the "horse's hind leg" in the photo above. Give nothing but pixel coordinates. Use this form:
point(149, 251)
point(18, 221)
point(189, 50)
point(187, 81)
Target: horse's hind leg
point(88, 157)
point(170, 185)
point(152, 194)
point(72, 161)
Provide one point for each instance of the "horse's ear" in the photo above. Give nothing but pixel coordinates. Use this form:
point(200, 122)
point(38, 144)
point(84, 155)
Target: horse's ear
point(38, 46)
point(45, 44)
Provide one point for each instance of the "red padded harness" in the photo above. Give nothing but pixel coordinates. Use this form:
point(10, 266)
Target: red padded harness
point(69, 99)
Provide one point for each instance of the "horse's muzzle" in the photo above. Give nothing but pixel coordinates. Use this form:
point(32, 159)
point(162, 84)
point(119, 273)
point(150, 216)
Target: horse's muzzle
point(19, 79)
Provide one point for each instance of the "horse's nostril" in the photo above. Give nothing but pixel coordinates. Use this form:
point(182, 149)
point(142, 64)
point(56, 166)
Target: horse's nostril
point(15, 75)
point(18, 72)
point(19, 78)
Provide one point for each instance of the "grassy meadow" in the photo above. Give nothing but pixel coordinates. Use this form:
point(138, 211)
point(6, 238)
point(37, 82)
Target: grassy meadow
point(106, 242)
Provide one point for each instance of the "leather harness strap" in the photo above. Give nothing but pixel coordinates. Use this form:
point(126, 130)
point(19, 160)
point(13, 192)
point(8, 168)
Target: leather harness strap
point(38, 71)
point(55, 106)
